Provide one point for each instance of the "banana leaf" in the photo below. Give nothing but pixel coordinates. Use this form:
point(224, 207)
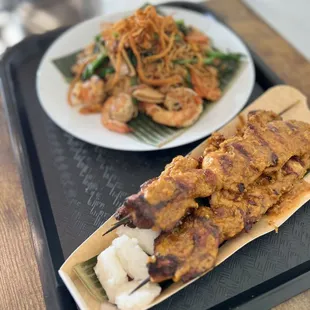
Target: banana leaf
point(85, 272)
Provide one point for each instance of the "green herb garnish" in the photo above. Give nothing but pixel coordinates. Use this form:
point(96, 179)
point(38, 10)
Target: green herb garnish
point(212, 55)
point(132, 57)
point(94, 65)
point(182, 27)
point(115, 35)
point(178, 38)
point(105, 71)
point(188, 79)
point(133, 81)
point(98, 38)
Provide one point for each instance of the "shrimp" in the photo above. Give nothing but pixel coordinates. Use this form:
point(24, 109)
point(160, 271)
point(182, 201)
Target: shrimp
point(116, 111)
point(206, 85)
point(182, 107)
point(89, 93)
point(198, 37)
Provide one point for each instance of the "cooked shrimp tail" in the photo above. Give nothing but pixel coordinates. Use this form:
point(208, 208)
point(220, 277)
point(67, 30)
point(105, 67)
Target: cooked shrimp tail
point(117, 111)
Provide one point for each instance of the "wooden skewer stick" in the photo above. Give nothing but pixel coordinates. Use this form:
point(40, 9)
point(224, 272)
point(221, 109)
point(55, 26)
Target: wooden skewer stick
point(289, 107)
point(144, 282)
point(123, 221)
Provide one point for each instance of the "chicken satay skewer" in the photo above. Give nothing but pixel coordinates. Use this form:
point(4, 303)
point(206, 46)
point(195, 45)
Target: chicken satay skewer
point(162, 202)
point(260, 117)
point(226, 224)
point(191, 249)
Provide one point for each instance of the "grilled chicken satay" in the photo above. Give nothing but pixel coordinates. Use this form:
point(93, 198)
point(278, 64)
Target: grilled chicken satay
point(239, 161)
point(192, 248)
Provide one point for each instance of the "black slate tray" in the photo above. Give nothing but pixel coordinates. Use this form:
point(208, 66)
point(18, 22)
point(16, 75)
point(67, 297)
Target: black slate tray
point(72, 187)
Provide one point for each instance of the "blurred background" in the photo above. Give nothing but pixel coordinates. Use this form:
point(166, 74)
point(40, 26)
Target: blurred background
point(20, 18)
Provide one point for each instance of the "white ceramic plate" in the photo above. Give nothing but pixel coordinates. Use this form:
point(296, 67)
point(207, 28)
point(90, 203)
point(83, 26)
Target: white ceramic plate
point(52, 90)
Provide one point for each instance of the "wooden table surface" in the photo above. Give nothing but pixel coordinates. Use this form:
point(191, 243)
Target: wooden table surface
point(20, 286)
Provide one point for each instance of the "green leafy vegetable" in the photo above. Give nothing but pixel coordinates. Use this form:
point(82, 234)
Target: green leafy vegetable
point(133, 81)
point(132, 57)
point(227, 56)
point(178, 38)
point(226, 70)
point(188, 79)
point(64, 65)
point(135, 100)
point(212, 55)
point(95, 64)
point(98, 38)
point(182, 27)
point(103, 72)
point(115, 35)
point(85, 272)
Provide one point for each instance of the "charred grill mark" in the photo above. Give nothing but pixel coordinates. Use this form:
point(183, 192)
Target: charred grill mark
point(163, 268)
point(291, 126)
point(253, 112)
point(274, 159)
point(144, 217)
point(183, 187)
point(225, 162)
point(251, 202)
point(239, 147)
point(189, 276)
point(276, 132)
point(299, 160)
point(259, 138)
point(210, 177)
point(267, 177)
point(272, 128)
point(248, 225)
point(242, 213)
point(241, 187)
point(122, 212)
point(200, 160)
point(246, 220)
point(287, 169)
point(220, 212)
point(275, 192)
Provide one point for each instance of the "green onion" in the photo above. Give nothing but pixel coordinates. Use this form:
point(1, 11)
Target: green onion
point(156, 36)
point(132, 57)
point(115, 35)
point(226, 56)
point(181, 26)
point(188, 79)
point(178, 38)
point(105, 71)
point(98, 38)
point(135, 101)
point(95, 64)
point(133, 81)
point(212, 55)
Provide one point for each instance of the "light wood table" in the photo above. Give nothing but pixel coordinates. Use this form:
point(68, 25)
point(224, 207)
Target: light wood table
point(20, 286)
